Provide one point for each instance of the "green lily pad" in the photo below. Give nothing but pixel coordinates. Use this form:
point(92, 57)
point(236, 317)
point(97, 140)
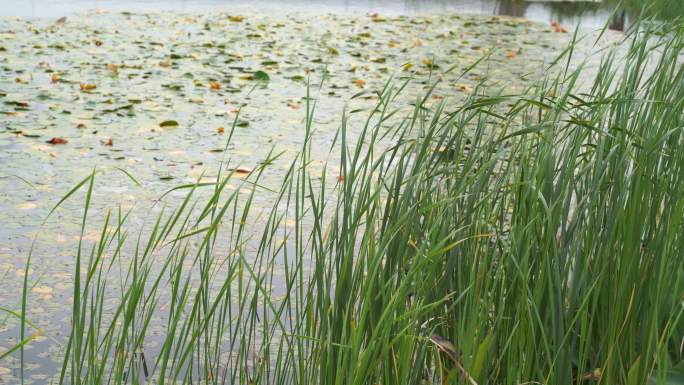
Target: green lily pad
point(168, 123)
point(261, 76)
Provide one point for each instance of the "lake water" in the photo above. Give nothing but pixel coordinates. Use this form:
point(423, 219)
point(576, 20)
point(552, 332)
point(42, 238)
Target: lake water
point(590, 14)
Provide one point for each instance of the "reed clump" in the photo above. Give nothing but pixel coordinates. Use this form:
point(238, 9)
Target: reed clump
point(515, 239)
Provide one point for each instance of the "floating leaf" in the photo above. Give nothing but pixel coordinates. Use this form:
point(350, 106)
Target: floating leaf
point(175, 87)
point(27, 206)
point(57, 140)
point(557, 27)
point(375, 17)
point(168, 123)
point(360, 83)
point(87, 86)
point(261, 76)
point(242, 170)
point(18, 103)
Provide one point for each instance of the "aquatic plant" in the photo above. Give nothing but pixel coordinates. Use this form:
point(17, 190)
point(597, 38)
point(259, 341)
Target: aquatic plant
point(515, 239)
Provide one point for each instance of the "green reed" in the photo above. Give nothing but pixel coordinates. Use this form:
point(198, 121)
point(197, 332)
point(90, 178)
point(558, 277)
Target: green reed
point(512, 239)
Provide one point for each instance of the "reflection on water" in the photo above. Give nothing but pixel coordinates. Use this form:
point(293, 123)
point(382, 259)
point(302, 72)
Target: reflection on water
point(590, 14)
point(587, 13)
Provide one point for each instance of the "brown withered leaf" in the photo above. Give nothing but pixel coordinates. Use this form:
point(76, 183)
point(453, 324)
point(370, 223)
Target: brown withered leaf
point(57, 140)
point(242, 170)
point(557, 27)
point(448, 348)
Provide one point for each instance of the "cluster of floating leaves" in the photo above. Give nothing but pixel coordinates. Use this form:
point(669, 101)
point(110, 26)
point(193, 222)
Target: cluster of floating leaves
point(157, 94)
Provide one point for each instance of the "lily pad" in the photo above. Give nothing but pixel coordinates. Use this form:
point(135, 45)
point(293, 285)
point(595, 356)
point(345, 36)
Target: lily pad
point(261, 76)
point(168, 123)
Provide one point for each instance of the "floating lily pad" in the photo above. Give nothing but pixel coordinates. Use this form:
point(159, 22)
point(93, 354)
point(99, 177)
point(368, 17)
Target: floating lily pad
point(261, 76)
point(168, 123)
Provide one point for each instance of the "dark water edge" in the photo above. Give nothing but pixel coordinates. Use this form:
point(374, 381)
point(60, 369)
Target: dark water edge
point(589, 14)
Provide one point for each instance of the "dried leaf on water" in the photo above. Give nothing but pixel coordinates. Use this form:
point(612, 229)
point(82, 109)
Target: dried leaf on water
point(557, 27)
point(242, 170)
point(86, 86)
point(57, 140)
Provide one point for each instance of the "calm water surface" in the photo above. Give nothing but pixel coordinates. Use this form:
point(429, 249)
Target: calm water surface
point(589, 14)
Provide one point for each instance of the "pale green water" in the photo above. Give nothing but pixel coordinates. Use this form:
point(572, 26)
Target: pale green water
point(588, 13)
